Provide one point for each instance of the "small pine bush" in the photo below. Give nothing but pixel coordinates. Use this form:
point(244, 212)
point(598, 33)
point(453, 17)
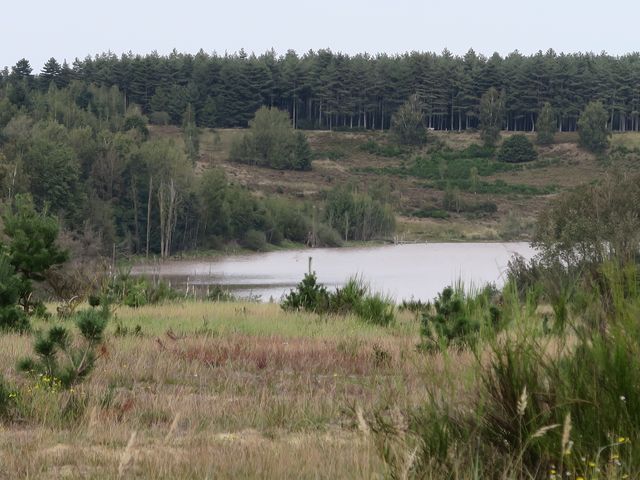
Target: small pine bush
point(456, 319)
point(516, 149)
point(309, 295)
point(353, 298)
point(61, 361)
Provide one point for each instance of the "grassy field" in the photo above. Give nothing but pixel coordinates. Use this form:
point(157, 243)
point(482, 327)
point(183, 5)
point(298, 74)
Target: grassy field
point(366, 159)
point(231, 390)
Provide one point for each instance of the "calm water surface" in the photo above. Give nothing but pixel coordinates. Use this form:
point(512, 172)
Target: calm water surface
point(401, 271)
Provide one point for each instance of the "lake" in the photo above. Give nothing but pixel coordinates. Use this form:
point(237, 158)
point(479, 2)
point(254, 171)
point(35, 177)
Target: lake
point(416, 271)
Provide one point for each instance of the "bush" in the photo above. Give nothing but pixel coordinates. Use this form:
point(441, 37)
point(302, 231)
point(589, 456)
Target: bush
point(457, 318)
point(353, 298)
point(358, 216)
point(159, 118)
point(431, 213)
point(328, 237)
point(517, 149)
point(272, 142)
point(309, 295)
point(376, 309)
point(135, 292)
point(61, 362)
point(407, 123)
point(592, 127)
point(347, 298)
point(385, 150)
point(255, 240)
point(12, 317)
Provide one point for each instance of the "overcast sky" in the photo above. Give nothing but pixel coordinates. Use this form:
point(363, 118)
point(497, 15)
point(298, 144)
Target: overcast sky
point(67, 29)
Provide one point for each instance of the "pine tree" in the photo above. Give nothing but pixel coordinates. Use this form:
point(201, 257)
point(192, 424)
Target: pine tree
point(50, 73)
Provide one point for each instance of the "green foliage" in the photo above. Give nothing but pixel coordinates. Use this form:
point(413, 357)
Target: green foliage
point(516, 149)
point(255, 240)
point(384, 150)
point(309, 296)
point(190, 134)
point(453, 202)
point(54, 170)
point(12, 318)
point(592, 223)
point(272, 142)
point(125, 289)
point(358, 216)
point(431, 213)
point(458, 318)
point(32, 248)
point(62, 362)
point(407, 123)
point(546, 125)
point(138, 123)
point(497, 186)
point(592, 127)
point(353, 298)
point(492, 107)
point(328, 237)
point(376, 309)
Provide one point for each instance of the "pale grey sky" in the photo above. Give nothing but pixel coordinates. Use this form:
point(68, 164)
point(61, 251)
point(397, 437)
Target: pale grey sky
point(67, 29)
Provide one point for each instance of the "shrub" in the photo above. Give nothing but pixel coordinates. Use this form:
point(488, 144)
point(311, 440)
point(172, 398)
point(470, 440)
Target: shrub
point(384, 150)
point(138, 123)
point(309, 295)
point(159, 118)
point(272, 142)
point(358, 216)
point(376, 309)
point(255, 240)
point(592, 127)
point(12, 317)
point(457, 318)
point(407, 123)
point(353, 298)
point(217, 293)
point(592, 223)
point(347, 298)
point(328, 237)
point(135, 292)
point(517, 149)
point(431, 213)
point(61, 362)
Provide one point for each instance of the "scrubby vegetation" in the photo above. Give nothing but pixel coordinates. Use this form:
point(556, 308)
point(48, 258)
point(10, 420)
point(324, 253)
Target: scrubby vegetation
point(516, 149)
point(272, 142)
point(537, 410)
point(353, 298)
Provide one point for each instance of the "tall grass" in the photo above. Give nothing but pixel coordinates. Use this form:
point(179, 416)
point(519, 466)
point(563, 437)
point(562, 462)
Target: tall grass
point(561, 403)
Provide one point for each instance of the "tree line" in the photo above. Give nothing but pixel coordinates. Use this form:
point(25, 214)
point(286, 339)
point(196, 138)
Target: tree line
point(328, 90)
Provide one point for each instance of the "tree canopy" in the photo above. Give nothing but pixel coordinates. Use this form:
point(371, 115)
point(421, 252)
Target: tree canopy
point(326, 89)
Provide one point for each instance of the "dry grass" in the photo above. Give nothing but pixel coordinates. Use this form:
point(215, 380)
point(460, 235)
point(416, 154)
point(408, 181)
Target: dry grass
point(276, 398)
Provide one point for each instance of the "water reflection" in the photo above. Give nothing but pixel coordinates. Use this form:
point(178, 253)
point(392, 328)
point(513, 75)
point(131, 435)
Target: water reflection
point(402, 271)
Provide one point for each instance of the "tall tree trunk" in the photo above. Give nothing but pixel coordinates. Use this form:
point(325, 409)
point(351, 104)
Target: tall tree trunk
point(149, 214)
point(134, 194)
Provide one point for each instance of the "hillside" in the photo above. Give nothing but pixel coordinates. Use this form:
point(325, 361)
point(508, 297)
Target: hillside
point(367, 160)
